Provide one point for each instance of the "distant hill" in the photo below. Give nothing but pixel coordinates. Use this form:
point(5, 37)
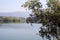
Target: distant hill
point(15, 14)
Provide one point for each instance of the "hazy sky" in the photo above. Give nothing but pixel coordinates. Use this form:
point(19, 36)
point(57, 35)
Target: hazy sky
point(13, 5)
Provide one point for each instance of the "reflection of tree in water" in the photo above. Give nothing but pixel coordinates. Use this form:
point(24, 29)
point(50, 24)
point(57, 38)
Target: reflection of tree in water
point(0, 24)
point(49, 17)
point(48, 32)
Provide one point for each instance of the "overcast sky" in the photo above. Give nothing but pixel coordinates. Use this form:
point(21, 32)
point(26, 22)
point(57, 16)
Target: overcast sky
point(14, 5)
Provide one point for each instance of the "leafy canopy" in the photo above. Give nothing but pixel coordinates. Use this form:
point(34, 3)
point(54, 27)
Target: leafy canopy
point(49, 17)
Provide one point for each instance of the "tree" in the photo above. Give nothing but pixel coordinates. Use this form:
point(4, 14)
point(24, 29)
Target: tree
point(49, 17)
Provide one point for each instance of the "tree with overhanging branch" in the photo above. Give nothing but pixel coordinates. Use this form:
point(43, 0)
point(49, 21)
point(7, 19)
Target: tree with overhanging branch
point(49, 17)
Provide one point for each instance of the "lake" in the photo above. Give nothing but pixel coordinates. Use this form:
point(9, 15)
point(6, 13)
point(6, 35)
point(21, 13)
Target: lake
point(20, 31)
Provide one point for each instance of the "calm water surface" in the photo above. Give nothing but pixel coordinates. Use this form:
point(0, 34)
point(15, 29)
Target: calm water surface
point(19, 32)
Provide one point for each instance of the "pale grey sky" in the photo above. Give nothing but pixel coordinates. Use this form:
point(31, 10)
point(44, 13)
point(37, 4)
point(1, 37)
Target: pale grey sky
point(13, 5)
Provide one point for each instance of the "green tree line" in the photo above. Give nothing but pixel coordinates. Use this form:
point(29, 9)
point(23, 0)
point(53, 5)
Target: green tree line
point(9, 19)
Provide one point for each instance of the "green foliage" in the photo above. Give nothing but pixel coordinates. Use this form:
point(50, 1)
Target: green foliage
point(49, 17)
point(9, 19)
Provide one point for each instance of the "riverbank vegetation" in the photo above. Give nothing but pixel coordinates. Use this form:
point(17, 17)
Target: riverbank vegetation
point(5, 19)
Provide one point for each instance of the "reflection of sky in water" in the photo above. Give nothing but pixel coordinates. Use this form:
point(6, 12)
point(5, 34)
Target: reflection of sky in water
point(19, 32)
